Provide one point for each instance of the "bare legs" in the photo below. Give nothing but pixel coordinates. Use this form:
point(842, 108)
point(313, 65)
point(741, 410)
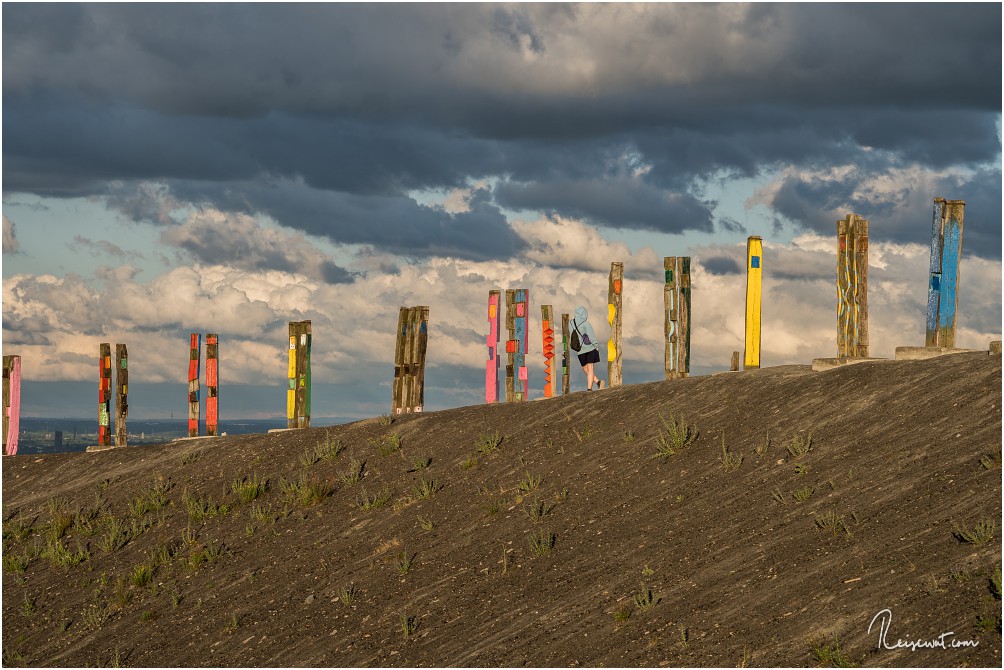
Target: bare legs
point(591, 378)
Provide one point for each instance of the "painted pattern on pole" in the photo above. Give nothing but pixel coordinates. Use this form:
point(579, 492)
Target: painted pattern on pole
point(615, 319)
point(565, 356)
point(754, 274)
point(298, 375)
point(677, 328)
point(852, 287)
point(212, 384)
point(11, 403)
point(408, 388)
point(121, 395)
point(943, 287)
point(194, 359)
point(492, 366)
point(517, 378)
point(547, 331)
point(104, 394)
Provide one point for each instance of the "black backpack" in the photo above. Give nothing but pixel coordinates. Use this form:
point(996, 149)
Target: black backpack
point(574, 341)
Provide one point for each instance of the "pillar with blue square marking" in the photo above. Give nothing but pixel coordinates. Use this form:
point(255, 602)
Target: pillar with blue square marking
point(754, 275)
point(943, 285)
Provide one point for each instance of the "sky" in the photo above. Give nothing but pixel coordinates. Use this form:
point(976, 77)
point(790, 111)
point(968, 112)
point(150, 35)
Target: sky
point(229, 168)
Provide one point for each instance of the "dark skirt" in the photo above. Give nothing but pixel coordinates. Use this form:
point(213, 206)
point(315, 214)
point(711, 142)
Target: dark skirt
point(589, 357)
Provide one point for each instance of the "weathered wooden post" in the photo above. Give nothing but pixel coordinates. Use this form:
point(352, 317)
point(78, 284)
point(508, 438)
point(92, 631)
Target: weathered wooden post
point(121, 395)
point(547, 330)
point(943, 289)
point(194, 359)
point(754, 273)
point(565, 357)
point(492, 367)
point(104, 394)
point(615, 318)
point(11, 403)
point(677, 327)
point(408, 390)
point(212, 384)
point(852, 287)
point(298, 394)
point(734, 367)
point(517, 378)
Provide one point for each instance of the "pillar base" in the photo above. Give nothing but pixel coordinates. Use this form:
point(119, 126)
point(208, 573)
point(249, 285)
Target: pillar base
point(923, 353)
point(822, 364)
point(995, 348)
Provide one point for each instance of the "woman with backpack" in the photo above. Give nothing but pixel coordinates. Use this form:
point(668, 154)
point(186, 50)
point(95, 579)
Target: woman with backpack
point(589, 353)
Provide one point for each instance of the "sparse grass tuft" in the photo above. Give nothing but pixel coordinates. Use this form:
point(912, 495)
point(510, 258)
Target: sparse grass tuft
point(995, 582)
point(28, 607)
point(426, 524)
point(403, 562)
point(778, 496)
point(389, 444)
point(153, 499)
point(538, 509)
point(730, 460)
point(61, 517)
point(803, 494)
point(142, 574)
point(802, 469)
point(763, 447)
point(629, 436)
point(95, 616)
point(354, 473)
point(645, 599)
point(488, 442)
point(329, 449)
point(306, 491)
point(368, 502)
point(56, 552)
point(624, 612)
point(409, 625)
point(677, 435)
point(426, 489)
point(420, 463)
point(469, 463)
point(248, 488)
point(831, 655)
point(799, 445)
point(832, 522)
point(981, 533)
point(528, 483)
point(199, 509)
point(542, 542)
point(992, 460)
point(347, 594)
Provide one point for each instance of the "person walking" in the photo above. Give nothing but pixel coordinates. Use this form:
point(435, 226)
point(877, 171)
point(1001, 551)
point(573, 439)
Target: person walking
point(589, 352)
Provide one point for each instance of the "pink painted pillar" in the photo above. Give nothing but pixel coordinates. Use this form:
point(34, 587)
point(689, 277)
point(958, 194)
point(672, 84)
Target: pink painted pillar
point(492, 367)
point(12, 403)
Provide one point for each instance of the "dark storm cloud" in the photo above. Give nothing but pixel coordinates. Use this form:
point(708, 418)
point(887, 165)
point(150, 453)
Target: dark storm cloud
point(605, 112)
point(722, 265)
point(903, 217)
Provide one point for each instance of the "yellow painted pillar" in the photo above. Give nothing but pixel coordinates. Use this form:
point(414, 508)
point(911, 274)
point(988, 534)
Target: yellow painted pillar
point(754, 273)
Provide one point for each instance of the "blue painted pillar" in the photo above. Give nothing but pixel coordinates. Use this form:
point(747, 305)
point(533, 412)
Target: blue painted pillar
point(943, 286)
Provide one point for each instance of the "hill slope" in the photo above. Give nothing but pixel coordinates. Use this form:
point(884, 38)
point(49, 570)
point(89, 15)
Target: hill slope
point(655, 561)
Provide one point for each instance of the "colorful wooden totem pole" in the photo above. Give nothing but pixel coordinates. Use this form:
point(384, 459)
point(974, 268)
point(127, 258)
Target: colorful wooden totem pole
point(677, 328)
point(615, 318)
point(104, 394)
point(943, 289)
point(194, 358)
point(298, 393)
point(852, 287)
point(492, 366)
point(754, 274)
point(121, 395)
point(409, 359)
point(11, 403)
point(547, 330)
point(565, 359)
point(517, 379)
point(212, 384)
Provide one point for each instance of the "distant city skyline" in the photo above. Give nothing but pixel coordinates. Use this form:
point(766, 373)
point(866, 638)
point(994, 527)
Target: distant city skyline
point(166, 173)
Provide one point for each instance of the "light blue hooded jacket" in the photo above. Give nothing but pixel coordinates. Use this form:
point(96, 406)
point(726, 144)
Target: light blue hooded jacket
point(581, 321)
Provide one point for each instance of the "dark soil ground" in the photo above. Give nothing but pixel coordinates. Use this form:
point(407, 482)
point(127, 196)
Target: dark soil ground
point(568, 544)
